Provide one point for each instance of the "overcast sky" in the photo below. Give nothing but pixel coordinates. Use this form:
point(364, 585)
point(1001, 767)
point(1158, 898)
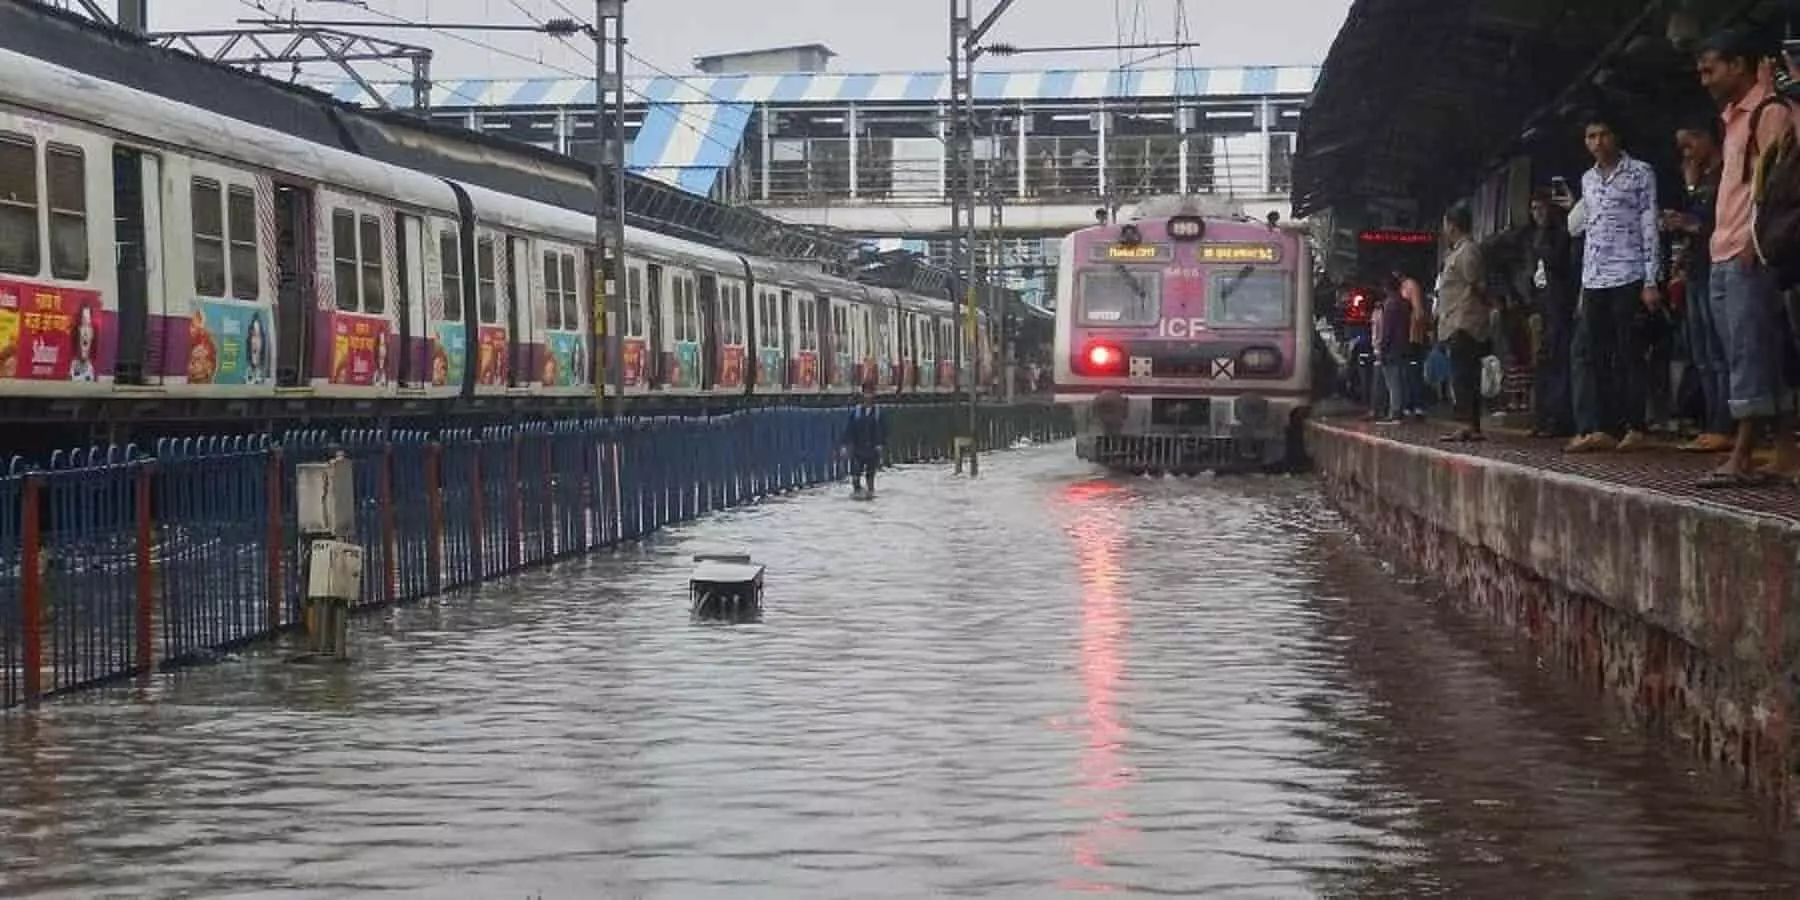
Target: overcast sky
point(868, 35)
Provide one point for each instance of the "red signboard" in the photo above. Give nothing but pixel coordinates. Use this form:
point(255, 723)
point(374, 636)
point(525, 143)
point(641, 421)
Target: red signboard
point(1390, 236)
point(50, 333)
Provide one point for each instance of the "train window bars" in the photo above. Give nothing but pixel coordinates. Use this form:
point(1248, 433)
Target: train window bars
point(553, 317)
point(374, 284)
point(207, 200)
point(344, 272)
point(66, 175)
point(20, 247)
point(487, 288)
point(450, 274)
point(571, 293)
point(240, 231)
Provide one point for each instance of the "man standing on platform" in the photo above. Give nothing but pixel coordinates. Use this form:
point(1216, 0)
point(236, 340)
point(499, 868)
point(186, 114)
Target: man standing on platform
point(1745, 303)
point(1620, 271)
point(1465, 320)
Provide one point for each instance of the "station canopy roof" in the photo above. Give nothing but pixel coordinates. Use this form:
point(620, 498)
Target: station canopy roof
point(1417, 97)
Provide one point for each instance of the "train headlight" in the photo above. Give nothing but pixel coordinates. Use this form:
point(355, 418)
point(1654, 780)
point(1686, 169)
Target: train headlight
point(1259, 360)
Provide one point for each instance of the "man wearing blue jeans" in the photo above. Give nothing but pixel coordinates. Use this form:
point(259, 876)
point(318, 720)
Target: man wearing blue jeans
point(1394, 330)
point(1692, 227)
point(1745, 303)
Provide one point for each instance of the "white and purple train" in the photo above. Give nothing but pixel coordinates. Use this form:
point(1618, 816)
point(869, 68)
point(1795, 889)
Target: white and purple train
point(152, 250)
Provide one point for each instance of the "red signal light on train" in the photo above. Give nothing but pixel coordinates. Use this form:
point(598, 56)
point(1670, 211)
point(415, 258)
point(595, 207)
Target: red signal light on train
point(1101, 358)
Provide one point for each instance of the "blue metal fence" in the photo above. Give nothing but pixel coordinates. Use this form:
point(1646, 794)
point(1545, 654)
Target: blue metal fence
point(114, 561)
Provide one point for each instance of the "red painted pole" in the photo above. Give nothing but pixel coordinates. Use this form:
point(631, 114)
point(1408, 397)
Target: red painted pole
point(146, 579)
point(277, 543)
point(390, 568)
point(434, 495)
point(32, 589)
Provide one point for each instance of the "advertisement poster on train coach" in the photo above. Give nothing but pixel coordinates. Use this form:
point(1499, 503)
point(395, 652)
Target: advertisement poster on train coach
point(633, 354)
point(492, 355)
point(359, 350)
point(228, 343)
point(449, 354)
point(50, 333)
point(686, 373)
point(565, 363)
point(731, 367)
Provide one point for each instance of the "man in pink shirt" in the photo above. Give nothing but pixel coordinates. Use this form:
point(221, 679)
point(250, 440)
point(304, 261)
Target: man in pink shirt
point(1745, 302)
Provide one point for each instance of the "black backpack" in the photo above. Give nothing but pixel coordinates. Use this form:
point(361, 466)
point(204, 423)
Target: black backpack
point(1775, 213)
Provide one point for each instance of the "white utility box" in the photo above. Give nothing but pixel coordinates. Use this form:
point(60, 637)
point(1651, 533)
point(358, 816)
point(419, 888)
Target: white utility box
point(334, 571)
point(326, 496)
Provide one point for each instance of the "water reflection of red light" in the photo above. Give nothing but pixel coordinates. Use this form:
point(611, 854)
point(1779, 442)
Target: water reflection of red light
point(1097, 535)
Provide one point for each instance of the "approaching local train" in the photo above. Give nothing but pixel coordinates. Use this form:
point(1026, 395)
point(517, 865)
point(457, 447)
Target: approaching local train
point(1184, 339)
point(155, 251)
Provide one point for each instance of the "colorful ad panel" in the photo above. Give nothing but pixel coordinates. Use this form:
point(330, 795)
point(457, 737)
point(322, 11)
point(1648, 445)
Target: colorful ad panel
point(449, 354)
point(229, 343)
point(51, 333)
point(565, 360)
point(359, 350)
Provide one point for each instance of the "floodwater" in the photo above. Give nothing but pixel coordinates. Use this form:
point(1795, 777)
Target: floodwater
point(1040, 683)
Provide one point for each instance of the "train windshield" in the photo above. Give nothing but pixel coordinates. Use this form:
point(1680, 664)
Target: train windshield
point(1250, 299)
point(1118, 295)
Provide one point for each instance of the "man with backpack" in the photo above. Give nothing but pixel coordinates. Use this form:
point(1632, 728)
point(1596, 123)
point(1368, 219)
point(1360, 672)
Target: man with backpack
point(1744, 289)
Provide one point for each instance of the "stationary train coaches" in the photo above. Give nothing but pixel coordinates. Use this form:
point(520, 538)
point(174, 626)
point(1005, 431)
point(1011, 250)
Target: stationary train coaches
point(150, 249)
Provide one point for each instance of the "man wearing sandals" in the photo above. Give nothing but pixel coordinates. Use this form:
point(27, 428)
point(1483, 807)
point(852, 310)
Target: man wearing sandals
point(1745, 302)
point(1620, 269)
point(1464, 320)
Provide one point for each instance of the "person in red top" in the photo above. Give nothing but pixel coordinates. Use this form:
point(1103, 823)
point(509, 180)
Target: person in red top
point(1746, 305)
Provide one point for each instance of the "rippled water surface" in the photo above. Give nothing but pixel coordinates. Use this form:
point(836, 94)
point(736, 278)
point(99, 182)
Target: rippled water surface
point(1040, 683)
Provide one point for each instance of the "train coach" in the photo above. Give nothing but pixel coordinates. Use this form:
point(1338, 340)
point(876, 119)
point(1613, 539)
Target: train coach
point(1184, 340)
point(160, 256)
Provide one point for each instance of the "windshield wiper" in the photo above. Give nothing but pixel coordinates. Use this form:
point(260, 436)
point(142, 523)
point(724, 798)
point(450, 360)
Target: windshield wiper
point(1131, 279)
point(1237, 281)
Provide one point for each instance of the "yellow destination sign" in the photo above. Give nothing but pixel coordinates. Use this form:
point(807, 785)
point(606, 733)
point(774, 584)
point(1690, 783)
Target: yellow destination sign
point(1134, 251)
point(1239, 253)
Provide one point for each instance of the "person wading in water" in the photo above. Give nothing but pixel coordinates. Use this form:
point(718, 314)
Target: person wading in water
point(864, 437)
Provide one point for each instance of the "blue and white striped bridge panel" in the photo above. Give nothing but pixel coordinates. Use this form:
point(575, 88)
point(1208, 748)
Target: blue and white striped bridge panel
point(828, 88)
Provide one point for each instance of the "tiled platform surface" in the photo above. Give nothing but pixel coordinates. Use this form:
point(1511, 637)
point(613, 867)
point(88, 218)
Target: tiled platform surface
point(1682, 603)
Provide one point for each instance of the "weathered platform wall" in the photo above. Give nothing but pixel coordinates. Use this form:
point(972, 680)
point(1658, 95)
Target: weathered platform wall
point(1685, 613)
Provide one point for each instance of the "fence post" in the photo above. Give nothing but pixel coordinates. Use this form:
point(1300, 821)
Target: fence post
point(390, 567)
point(478, 570)
point(434, 500)
point(549, 509)
point(276, 542)
point(146, 583)
point(32, 589)
point(516, 508)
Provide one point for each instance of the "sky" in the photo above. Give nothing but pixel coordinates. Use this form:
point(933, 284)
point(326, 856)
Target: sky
point(868, 35)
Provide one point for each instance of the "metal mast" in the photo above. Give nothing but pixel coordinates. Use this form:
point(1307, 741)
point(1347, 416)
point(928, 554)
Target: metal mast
point(609, 218)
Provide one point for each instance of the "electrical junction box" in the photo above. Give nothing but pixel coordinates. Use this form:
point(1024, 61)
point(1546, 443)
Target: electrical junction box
point(326, 496)
point(334, 571)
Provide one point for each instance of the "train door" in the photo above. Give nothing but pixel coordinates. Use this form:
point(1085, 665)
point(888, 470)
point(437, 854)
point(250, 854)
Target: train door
point(787, 340)
point(518, 312)
point(137, 211)
point(653, 353)
point(710, 350)
point(294, 260)
point(409, 246)
point(824, 343)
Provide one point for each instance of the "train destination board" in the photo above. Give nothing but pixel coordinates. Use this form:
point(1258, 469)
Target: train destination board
point(1133, 252)
point(1240, 253)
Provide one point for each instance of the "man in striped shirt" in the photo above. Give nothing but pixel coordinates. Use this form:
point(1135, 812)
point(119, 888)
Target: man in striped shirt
point(1620, 273)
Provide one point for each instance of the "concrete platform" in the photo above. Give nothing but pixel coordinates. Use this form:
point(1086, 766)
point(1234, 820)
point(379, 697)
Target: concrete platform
point(1679, 603)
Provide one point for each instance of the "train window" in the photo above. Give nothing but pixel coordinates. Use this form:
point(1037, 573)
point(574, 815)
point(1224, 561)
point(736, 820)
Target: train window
point(571, 293)
point(207, 201)
point(552, 292)
point(450, 263)
point(240, 229)
point(1254, 299)
point(487, 289)
point(66, 171)
point(634, 302)
point(20, 247)
point(374, 286)
point(1120, 296)
point(344, 273)
point(737, 316)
